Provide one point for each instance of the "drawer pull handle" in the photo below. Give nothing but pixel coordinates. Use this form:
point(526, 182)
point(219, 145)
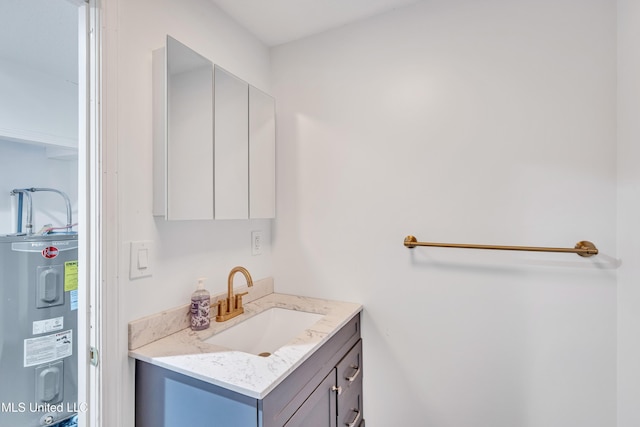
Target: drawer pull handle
point(337, 389)
point(355, 420)
point(355, 374)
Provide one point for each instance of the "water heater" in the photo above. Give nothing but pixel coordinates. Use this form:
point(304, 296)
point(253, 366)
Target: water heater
point(38, 329)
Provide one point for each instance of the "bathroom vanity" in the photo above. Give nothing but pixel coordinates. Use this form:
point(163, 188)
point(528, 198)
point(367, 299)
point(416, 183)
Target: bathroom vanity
point(315, 379)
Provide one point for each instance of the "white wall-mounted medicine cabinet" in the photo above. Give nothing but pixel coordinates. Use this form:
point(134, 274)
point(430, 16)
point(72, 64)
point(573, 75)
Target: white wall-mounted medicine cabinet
point(183, 133)
point(214, 140)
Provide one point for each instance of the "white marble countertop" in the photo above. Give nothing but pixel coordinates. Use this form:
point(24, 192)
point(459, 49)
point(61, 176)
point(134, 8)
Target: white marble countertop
point(186, 352)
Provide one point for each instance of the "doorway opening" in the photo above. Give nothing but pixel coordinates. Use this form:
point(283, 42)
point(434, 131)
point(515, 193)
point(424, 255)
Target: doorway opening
point(49, 276)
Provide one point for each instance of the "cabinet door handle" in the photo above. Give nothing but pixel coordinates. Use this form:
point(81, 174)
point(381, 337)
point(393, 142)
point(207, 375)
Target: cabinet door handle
point(337, 389)
point(355, 374)
point(355, 420)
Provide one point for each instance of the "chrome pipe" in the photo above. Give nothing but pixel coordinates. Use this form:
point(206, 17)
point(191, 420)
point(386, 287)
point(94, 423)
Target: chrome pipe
point(66, 200)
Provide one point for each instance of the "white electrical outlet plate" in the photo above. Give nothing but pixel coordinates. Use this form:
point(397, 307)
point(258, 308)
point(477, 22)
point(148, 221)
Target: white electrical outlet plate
point(140, 259)
point(256, 242)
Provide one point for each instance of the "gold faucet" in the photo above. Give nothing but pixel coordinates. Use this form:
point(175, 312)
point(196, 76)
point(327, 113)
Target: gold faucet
point(232, 306)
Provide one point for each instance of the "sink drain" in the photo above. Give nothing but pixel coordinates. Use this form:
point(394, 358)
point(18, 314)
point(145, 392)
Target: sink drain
point(264, 354)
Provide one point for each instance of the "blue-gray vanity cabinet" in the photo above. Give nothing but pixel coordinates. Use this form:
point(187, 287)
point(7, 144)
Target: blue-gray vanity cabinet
point(337, 401)
point(166, 398)
point(326, 390)
point(320, 409)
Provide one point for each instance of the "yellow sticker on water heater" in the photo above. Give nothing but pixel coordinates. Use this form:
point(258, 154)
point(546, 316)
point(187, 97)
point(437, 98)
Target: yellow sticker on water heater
point(70, 276)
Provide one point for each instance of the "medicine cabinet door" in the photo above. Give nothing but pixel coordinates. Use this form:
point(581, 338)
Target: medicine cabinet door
point(231, 141)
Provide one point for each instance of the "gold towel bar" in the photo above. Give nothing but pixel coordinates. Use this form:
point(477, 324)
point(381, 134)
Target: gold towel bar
point(583, 248)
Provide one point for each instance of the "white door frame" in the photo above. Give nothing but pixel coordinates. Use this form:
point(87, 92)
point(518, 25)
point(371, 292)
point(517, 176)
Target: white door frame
point(89, 229)
point(97, 204)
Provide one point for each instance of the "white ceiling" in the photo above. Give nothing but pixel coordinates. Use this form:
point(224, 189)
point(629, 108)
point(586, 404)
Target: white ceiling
point(43, 34)
point(281, 21)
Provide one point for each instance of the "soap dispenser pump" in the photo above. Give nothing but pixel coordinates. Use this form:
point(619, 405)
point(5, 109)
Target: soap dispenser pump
point(200, 302)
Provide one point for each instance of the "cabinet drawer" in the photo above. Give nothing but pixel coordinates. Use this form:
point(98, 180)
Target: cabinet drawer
point(350, 370)
point(350, 408)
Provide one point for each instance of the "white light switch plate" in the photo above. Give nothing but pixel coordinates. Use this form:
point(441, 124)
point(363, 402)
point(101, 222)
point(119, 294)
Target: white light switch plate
point(141, 256)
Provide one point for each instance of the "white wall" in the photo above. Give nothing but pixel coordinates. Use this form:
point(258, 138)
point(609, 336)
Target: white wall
point(25, 165)
point(37, 105)
point(469, 122)
point(38, 109)
point(183, 250)
point(628, 212)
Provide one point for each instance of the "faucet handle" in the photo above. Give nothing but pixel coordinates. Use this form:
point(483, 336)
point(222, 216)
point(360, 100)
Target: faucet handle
point(222, 307)
point(239, 299)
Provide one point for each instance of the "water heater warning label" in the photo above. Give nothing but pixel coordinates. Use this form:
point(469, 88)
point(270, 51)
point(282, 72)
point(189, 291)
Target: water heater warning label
point(70, 276)
point(48, 348)
point(48, 325)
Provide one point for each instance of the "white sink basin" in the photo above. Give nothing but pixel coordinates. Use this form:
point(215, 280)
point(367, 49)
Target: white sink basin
point(265, 332)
